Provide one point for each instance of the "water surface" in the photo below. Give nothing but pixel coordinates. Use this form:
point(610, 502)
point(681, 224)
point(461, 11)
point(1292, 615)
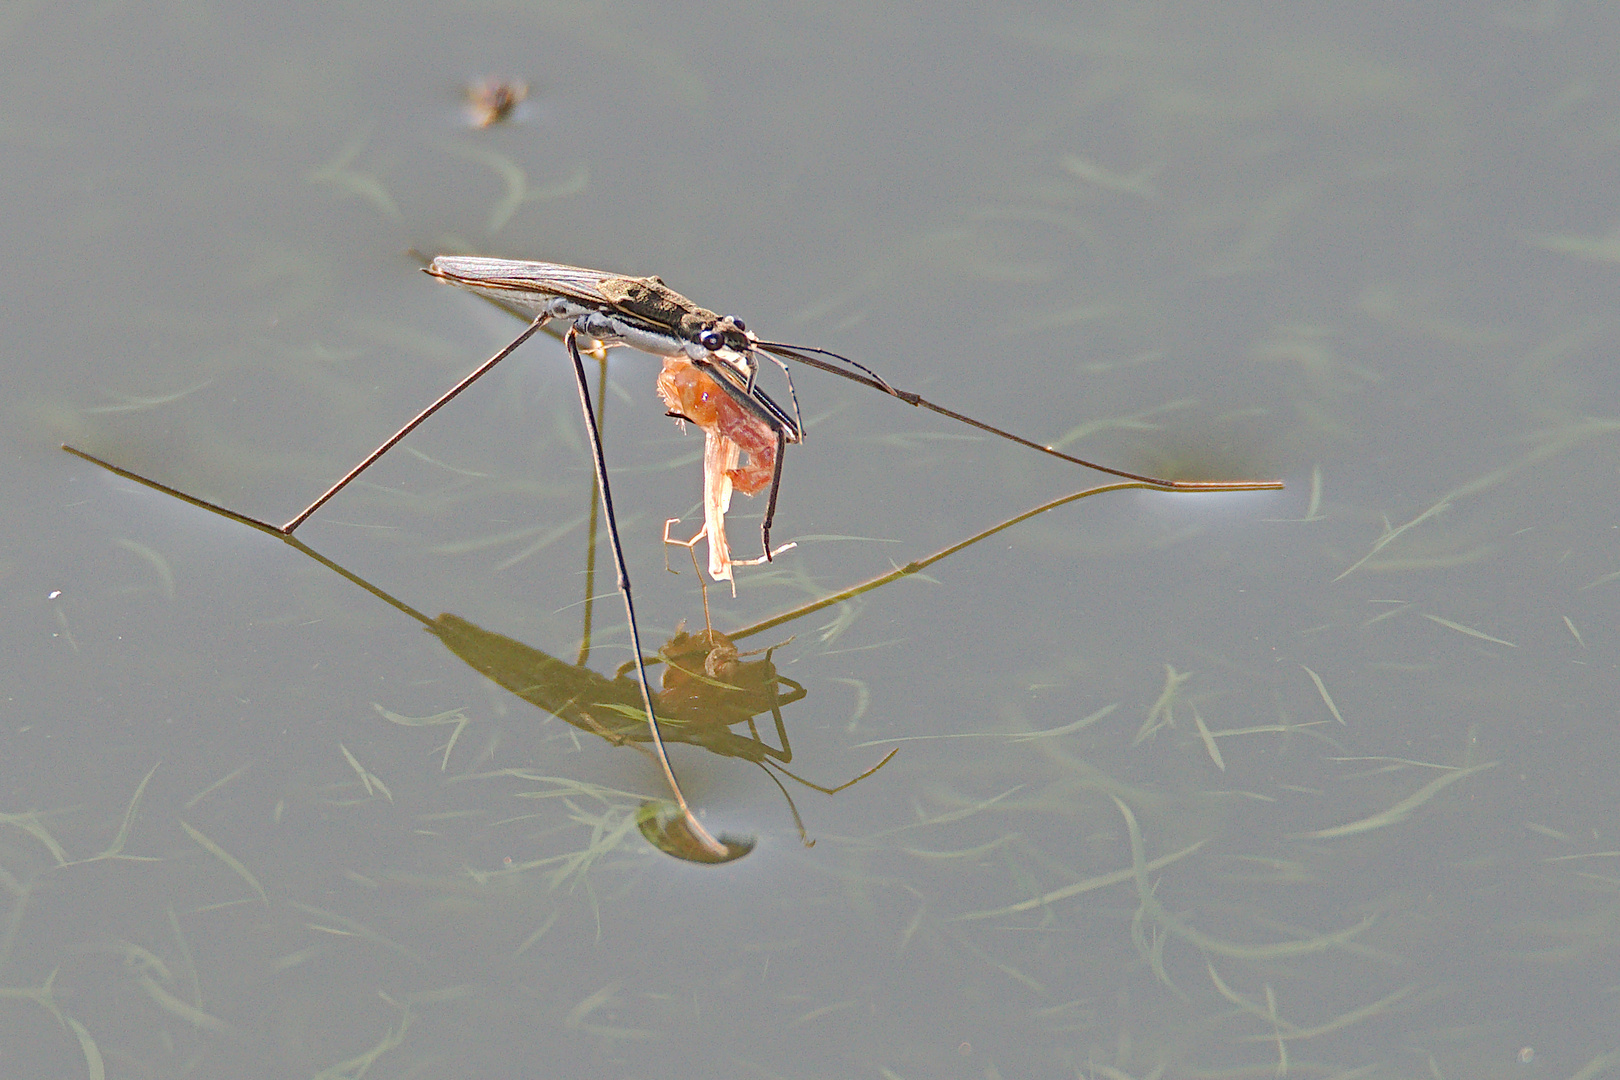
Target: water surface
point(1344, 805)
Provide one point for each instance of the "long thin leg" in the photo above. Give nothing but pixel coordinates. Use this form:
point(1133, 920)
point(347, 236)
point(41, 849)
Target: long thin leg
point(870, 378)
point(714, 846)
point(372, 457)
point(793, 395)
point(776, 485)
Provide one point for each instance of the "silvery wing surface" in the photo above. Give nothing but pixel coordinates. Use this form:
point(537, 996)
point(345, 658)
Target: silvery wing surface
point(533, 286)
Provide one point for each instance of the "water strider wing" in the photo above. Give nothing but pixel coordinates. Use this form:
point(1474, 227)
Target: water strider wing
point(530, 285)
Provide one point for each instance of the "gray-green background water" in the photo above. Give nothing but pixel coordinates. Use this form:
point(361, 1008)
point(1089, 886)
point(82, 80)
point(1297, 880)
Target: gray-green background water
point(1368, 250)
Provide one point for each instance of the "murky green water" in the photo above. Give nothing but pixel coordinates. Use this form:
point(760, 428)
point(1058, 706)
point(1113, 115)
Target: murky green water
point(1316, 783)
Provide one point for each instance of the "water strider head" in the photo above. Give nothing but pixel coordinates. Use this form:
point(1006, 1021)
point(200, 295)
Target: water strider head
point(726, 332)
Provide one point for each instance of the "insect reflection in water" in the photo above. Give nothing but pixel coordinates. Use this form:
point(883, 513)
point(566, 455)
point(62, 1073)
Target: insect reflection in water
point(708, 687)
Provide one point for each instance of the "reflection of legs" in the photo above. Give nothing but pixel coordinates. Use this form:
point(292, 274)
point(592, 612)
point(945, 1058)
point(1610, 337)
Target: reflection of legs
point(594, 437)
point(599, 354)
point(783, 755)
point(804, 837)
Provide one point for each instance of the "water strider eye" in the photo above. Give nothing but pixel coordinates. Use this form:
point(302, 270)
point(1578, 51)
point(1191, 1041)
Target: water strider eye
point(710, 340)
point(738, 323)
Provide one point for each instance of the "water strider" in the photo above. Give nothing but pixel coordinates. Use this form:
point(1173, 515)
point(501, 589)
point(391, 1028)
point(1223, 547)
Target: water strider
point(710, 363)
point(645, 314)
point(649, 316)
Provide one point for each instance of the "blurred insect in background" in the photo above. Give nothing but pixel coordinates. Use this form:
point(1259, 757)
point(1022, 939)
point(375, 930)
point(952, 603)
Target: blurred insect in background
point(492, 100)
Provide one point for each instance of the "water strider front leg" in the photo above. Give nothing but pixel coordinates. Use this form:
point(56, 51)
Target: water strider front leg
point(770, 501)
